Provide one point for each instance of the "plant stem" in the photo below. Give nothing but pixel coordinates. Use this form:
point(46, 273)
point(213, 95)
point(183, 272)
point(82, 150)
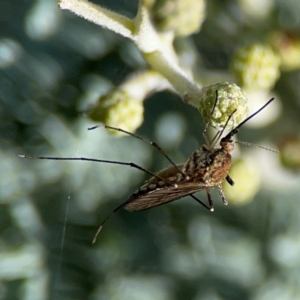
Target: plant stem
point(100, 16)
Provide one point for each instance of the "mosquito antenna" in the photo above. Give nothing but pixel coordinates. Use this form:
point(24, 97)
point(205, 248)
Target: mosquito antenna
point(130, 164)
point(235, 130)
point(105, 220)
point(142, 139)
point(256, 146)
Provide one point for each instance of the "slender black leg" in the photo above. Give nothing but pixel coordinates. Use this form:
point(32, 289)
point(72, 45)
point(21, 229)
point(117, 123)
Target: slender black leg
point(208, 123)
point(229, 180)
point(142, 139)
point(130, 164)
point(200, 202)
point(210, 201)
point(105, 220)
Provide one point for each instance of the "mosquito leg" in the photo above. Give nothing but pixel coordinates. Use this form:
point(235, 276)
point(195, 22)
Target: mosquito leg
point(215, 139)
point(207, 124)
point(210, 201)
point(218, 135)
point(142, 139)
point(200, 202)
point(224, 127)
point(105, 220)
point(222, 195)
point(229, 180)
point(130, 164)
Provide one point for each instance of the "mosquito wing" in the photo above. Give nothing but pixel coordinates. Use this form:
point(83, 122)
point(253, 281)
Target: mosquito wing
point(160, 196)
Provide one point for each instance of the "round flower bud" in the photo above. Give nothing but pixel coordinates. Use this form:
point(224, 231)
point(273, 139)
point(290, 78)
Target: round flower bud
point(256, 67)
point(230, 98)
point(118, 109)
point(288, 48)
point(289, 153)
point(247, 180)
point(184, 17)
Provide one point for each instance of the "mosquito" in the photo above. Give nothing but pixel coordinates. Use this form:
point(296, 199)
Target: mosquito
point(205, 169)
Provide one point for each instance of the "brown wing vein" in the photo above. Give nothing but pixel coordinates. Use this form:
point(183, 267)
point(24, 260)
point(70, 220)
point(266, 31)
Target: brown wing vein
point(161, 196)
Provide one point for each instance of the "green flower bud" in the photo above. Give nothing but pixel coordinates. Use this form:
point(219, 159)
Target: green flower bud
point(118, 109)
point(288, 48)
point(184, 17)
point(230, 98)
point(289, 153)
point(247, 179)
point(256, 67)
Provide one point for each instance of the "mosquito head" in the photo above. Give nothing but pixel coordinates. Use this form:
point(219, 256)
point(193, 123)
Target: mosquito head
point(227, 145)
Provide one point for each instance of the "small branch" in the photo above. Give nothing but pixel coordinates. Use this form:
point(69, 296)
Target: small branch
point(146, 37)
point(142, 83)
point(100, 16)
point(189, 90)
point(156, 48)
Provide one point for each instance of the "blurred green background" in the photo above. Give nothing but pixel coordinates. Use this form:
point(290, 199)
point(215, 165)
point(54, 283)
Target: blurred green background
point(52, 65)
